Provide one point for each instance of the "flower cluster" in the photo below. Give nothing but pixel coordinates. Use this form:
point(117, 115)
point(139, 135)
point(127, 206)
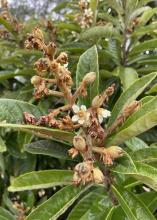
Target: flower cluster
point(85, 18)
point(54, 78)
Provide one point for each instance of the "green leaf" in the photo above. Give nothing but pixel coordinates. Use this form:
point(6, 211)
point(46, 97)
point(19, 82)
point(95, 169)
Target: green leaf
point(127, 76)
point(88, 62)
point(146, 16)
point(146, 45)
point(145, 155)
point(41, 179)
point(137, 12)
point(57, 204)
point(6, 214)
point(97, 32)
point(150, 199)
point(135, 144)
point(12, 111)
point(41, 131)
point(130, 94)
point(2, 145)
point(153, 89)
point(142, 120)
point(50, 148)
point(129, 203)
point(94, 205)
point(148, 29)
point(140, 171)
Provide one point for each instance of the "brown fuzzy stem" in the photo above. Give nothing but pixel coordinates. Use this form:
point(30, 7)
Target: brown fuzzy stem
point(59, 110)
point(78, 91)
point(55, 93)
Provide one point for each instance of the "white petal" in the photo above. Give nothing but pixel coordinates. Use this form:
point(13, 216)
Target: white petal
point(100, 118)
point(87, 114)
point(65, 65)
point(75, 108)
point(83, 107)
point(81, 121)
point(75, 118)
point(106, 113)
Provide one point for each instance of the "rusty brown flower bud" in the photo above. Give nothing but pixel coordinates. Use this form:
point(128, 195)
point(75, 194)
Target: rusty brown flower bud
point(62, 58)
point(37, 33)
point(98, 175)
point(51, 50)
point(42, 66)
point(97, 101)
point(115, 152)
point(79, 143)
point(73, 152)
point(84, 172)
point(89, 77)
point(36, 80)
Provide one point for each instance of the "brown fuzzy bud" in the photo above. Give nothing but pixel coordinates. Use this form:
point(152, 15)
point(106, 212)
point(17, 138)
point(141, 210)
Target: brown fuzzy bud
point(83, 172)
point(89, 77)
point(97, 101)
point(37, 33)
point(110, 90)
point(115, 152)
point(42, 65)
point(98, 176)
point(51, 50)
point(129, 109)
point(62, 58)
point(79, 143)
point(29, 118)
point(73, 152)
point(36, 80)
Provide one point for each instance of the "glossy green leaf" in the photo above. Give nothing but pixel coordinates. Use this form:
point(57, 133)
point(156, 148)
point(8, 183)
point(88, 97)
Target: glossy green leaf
point(129, 203)
point(140, 171)
point(12, 111)
point(130, 94)
point(138, 12)
point(135, 144)
point(50, 148)
point(41, 131)
point(142, 120)
point(88, 62)
point(153, 89)
point(145, 155)
point(149, 199)
point(57, 204)
point(146, 45)
point(127, 76)
point(41, 179)
point(95, 205)
point(6, 214)
point(146, 16)
point(148, 29)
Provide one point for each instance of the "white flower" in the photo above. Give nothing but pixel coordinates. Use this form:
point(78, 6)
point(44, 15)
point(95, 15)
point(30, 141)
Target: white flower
point(81, 115)
point(103, 113)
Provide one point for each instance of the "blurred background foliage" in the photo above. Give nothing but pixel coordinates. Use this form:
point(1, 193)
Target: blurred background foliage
point(127, 51)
